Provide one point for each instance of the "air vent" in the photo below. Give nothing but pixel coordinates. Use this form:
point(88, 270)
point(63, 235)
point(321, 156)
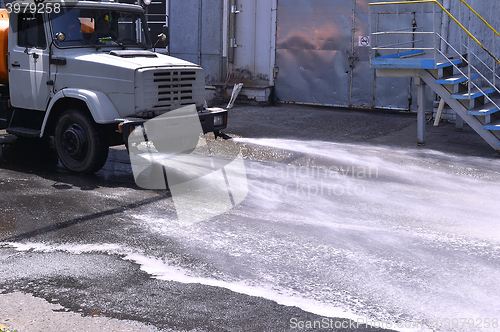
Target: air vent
point(133, 54)
point(174, 87)
point(164, 89)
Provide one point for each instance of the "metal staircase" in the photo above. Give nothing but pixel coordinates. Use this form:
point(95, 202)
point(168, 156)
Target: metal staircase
point(459, 68)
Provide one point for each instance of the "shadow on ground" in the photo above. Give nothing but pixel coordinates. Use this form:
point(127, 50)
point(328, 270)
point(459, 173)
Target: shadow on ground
point(39, 157)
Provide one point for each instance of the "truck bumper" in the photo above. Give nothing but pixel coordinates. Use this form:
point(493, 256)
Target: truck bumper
point(211, 120)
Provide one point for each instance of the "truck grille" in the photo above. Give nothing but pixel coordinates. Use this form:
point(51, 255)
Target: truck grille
point(167, 89)
point(174, 88)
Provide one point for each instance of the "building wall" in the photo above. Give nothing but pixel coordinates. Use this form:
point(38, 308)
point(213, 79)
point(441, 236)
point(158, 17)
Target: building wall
point(255, 39)
point(200, 33)
point(195, 28)
point(488, 10)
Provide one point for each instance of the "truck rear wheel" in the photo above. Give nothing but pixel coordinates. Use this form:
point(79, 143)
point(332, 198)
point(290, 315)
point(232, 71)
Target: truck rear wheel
point(80, 143)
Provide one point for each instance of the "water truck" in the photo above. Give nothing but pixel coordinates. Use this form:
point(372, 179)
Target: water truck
point(87, 74)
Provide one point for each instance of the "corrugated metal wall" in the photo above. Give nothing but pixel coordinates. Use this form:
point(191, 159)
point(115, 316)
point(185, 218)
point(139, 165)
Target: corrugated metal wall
point(316, 43)
point(489, 11)
point(322, 60)
point(311, 41)
point(196, 34)
point(317, 51)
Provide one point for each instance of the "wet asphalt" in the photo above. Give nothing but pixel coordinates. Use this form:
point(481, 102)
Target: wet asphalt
point(80, 241)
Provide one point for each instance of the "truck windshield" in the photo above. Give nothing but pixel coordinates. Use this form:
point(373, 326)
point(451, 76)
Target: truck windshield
point(89, 27)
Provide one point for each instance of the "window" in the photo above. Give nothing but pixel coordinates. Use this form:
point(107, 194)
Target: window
point(31, 30)
point(68, 22)
point(98, 27)
point(131, 29)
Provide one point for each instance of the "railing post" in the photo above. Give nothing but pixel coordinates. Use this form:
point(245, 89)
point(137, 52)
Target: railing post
point(370, 27)
point(397, 23)
point(494, 62)
point(420, 110)
point(460, 30)
point(434, 33)
point(469, 62)
point(423, 25)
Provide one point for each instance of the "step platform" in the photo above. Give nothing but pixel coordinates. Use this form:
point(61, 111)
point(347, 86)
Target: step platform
point(474, 93)
point(493, 125)
point(486, 109)
point(455, 79)
point(415, 59)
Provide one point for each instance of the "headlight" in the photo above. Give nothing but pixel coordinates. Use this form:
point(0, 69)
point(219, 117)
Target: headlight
point(218, 120)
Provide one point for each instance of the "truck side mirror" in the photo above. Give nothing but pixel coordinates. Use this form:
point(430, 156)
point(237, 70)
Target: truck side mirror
point(161, 38)
point(60, 37)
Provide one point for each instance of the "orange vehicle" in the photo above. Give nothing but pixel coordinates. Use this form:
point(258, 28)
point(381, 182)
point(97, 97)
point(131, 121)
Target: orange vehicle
point(4, 35)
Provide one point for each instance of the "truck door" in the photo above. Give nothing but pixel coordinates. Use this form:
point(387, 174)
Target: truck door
point(29, 61)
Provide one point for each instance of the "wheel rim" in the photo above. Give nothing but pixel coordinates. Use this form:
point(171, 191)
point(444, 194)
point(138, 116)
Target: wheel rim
point(74, 141)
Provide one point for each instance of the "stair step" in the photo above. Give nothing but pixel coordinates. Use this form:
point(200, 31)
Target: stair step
point(26, 132)
point(475, 93)
point(410, 54)
point(485, 109)
point(402, 54)
point(445, 63)
point(495, 125)
point(455, 79)
point(415, 59)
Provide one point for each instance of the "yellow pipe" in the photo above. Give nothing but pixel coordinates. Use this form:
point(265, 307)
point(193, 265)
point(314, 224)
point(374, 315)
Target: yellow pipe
point(447, 13)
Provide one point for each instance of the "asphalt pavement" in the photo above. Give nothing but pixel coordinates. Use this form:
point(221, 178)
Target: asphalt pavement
point(98, 253)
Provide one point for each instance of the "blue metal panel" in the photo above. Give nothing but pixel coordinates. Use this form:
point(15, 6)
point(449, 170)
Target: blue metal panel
point(455, 80)
point(396, 61)
point(447, 64)
point(473, 95)
point(400, 55)
point(484, 110)
point(493, 126)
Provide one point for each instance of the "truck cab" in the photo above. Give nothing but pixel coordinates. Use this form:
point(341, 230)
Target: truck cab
point(78, 71)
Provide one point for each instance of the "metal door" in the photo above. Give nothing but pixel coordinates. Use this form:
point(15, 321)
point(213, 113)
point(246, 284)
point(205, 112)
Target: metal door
point(322, 57)
point(29, 63)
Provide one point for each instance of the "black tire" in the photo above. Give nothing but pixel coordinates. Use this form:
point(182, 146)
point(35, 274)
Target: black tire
point(81, 144)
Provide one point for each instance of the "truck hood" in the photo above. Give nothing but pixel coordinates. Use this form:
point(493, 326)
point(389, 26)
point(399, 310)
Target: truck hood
point(114, 73)
point(132, 59)
point(109, 71)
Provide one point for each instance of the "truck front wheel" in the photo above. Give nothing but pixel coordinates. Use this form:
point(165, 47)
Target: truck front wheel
point(80, 143)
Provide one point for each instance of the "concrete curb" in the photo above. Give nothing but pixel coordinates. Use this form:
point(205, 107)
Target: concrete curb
point(27, 313)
